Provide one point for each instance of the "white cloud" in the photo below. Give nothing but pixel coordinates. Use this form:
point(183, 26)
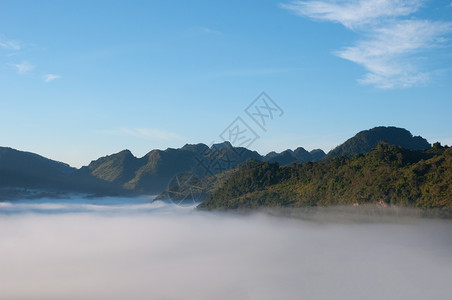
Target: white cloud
point(23, 68)
point(51, 77)
point(353, 13)
point(388, 51)
point(388, 54)
point(148, 133)
point(9, 44)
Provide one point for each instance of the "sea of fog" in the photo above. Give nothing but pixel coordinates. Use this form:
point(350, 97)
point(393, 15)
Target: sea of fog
point(115, 248)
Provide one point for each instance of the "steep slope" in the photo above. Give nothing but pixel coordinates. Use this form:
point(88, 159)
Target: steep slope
point(118, 168)
point(366, 140)
point(159, 167)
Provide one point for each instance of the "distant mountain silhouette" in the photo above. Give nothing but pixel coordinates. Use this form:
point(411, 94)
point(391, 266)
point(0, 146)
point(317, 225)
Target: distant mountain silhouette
point(299, 155)
point(366, 140)
point(25, 170)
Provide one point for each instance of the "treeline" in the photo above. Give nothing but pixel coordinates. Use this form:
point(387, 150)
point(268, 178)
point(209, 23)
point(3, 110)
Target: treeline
point(387, 175)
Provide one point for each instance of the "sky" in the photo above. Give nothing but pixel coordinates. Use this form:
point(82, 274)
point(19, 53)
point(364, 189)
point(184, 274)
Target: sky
point(83, 79)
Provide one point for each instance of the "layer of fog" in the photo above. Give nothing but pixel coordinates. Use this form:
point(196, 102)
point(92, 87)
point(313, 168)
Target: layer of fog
point(83, 250)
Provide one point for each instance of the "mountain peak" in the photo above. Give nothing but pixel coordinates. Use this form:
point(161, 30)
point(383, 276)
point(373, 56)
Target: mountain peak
point(198, 148)
point(366, 140)
point(225, 144)
point(126, 153)
point(299, 155)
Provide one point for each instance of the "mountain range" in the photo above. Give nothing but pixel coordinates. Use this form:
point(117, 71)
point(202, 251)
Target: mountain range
point(124, 174)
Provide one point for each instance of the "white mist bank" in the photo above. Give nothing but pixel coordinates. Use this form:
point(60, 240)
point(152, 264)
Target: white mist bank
point(166, 252)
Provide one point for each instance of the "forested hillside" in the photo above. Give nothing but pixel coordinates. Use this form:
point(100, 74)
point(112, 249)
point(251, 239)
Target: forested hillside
point(385, 175)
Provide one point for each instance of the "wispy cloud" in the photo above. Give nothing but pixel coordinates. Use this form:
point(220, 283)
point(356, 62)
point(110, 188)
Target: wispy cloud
point(391, 41)
point(23, 67)
point(9, 44)
point(144, 133)
point(51, 77)
point(388, 54)
point(354, 13)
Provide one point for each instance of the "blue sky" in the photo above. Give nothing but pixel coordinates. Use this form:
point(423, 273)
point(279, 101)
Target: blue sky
point(83, 79)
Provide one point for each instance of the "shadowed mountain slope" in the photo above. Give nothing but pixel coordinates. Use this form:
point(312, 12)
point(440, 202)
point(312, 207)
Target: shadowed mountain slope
point(366, 140)
point(25, 170)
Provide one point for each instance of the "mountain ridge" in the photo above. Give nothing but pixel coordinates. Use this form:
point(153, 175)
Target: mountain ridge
point(152, 172)
point(124, 173)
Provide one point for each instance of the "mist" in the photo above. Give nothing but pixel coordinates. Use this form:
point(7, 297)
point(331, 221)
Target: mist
point(143, 250)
